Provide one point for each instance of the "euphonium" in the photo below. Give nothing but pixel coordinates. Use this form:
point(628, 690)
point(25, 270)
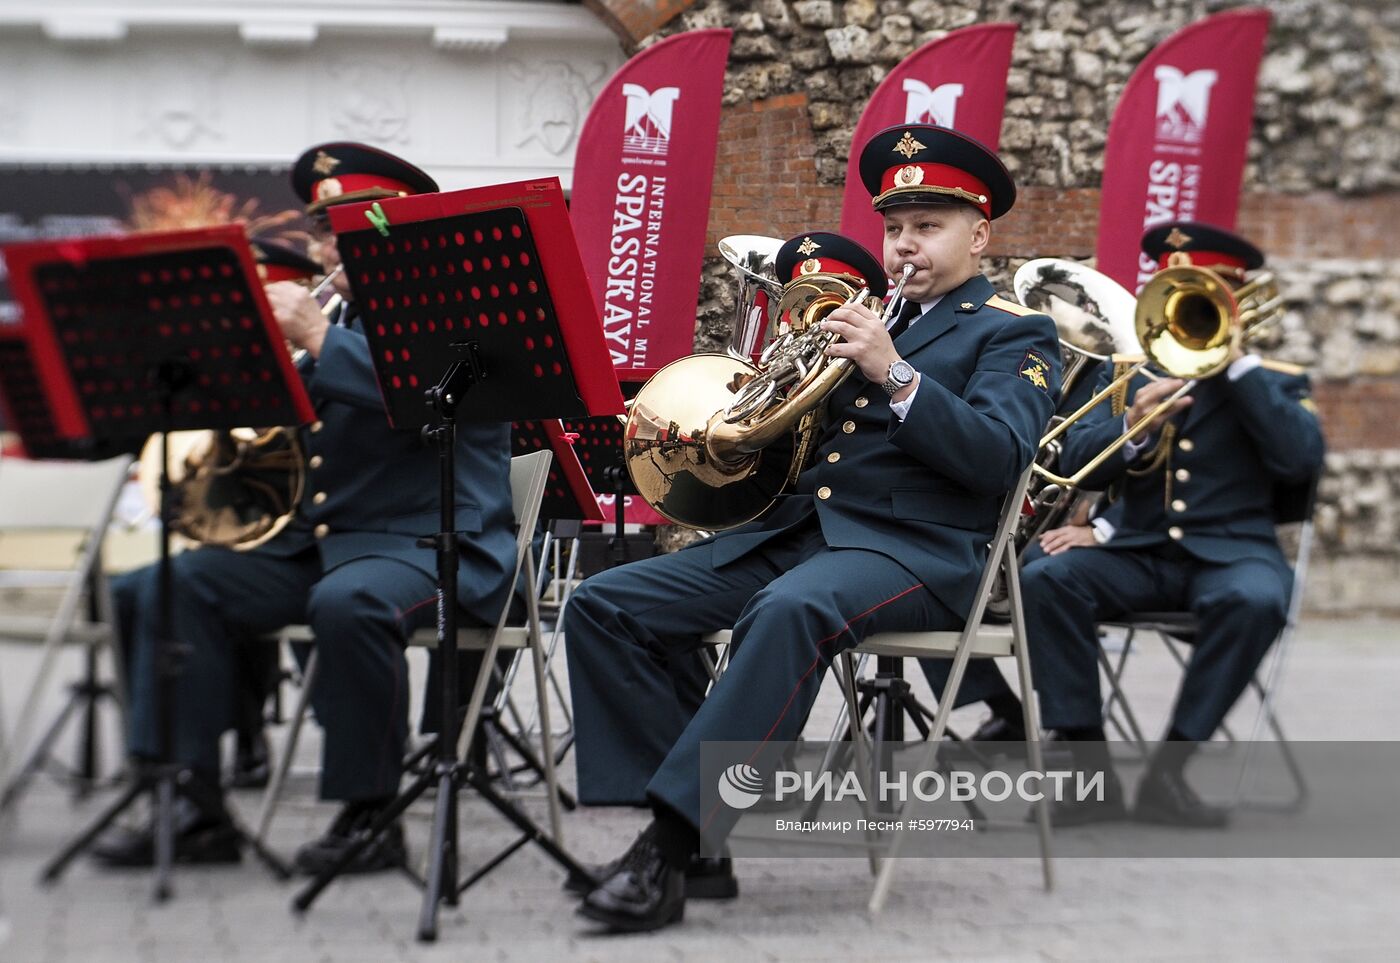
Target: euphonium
point(235, 488)
point(711, 440)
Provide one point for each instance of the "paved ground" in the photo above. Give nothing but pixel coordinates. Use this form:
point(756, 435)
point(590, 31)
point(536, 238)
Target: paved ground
point(1341, 685)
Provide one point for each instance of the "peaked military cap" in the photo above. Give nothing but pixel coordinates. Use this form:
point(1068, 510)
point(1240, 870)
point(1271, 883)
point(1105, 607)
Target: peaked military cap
point(279, 262)
point(1200, 245)
point(341, 172)
point(924, 164)
point(822, 252)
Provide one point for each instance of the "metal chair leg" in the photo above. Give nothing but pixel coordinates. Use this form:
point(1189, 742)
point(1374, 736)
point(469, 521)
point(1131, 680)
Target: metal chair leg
point(273, 793)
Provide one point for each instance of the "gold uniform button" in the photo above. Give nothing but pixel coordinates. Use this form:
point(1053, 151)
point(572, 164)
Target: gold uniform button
point(316, 426)
point(1186, 444)
point(1182, 475)
point(833, 458)
point(322, 530)
point(1175, 532)
point(317, 461)
point(823, 493)
point(319, 498)
point(1178, 505)
point(862, 401)
point(849, 427)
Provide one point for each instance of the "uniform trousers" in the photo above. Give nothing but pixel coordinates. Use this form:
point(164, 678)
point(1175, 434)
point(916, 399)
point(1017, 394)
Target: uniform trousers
point(361, 612)
point(1241, 607)
point(793, 604)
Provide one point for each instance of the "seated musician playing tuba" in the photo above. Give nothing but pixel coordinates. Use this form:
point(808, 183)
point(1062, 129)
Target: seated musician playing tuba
point(1193, 530)
point(887, 530)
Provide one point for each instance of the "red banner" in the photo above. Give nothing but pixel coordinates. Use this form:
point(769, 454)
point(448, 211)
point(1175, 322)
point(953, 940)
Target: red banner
point(641, 196)
point(1176, 147)
point(957, 81)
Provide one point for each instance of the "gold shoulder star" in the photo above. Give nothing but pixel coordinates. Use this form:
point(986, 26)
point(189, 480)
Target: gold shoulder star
point(324, 163)
point(807, 246)
point(908, 146)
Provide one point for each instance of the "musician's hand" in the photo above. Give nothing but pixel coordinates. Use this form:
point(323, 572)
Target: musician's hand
point(1152, 395)
point(1063, 539)
point(298, 315)
point(863, 339)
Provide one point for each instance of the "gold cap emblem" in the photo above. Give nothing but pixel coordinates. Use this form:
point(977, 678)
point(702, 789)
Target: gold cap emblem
point(330, 187)
point(1178, 238)
point(324, 163)
point(908, 146)
point(810, 266)
point(908, 176)
point(807, 246)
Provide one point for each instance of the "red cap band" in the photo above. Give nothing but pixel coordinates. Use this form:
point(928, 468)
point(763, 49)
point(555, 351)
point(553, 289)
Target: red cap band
point(937, 179)
point(329, 188)
point(823, 265)
point(1202, 259)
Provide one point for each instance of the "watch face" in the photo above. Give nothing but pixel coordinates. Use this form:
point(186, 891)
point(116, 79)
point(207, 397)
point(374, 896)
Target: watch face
point(902, 372)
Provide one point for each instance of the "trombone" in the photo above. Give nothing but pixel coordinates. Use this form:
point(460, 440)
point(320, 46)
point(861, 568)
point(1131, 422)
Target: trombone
point(1186, 320)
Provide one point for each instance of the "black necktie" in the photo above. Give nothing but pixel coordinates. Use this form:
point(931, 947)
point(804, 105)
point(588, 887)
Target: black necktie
point(906, 316)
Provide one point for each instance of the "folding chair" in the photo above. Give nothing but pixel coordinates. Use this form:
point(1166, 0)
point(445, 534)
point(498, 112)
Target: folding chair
point(975, 640)
point(73, 501)
point(1293, 505)
point(528, 475)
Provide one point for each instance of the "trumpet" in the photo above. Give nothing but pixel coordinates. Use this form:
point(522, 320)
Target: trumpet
point(1186, 320)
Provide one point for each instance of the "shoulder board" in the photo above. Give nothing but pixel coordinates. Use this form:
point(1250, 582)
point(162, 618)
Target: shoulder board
point(1010, 307)
point(1283, 366)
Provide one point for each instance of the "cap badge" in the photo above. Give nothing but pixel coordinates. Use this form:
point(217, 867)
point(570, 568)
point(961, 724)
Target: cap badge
point(908, 146)
point(909, 175)
point(330, 187)
point(807, 246)
point(1178, 238)
point(324, 163)
point(810, 266)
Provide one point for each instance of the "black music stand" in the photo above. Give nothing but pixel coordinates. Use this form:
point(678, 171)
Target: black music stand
point(130, 336)
point(455, 296)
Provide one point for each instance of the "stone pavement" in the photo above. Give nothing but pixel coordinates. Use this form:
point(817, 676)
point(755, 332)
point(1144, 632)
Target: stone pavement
point(1341, 685)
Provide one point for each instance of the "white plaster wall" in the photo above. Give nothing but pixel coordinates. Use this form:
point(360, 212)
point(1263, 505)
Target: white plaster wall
point(474, 92)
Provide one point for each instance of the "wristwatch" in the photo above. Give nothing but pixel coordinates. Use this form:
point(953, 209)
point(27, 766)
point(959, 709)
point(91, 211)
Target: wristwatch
point(900, 375)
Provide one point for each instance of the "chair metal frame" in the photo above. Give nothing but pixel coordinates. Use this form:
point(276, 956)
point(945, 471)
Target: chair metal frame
point(1174, 627)
point(977, 639)
point(528, 477)
point(77, 499)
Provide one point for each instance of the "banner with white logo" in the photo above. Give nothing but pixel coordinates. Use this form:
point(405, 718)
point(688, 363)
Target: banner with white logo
point(957, 81)
point(1177, 144)
point(641, 195)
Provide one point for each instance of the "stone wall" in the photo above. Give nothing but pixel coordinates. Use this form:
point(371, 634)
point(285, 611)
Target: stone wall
point(1321, 187)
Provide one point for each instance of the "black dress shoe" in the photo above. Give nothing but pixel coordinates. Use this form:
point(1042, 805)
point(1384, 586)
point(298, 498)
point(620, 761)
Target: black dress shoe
point(706, 877)
point(1167, 799)
point(644, 893)
point(1000, 729)
point(1073, 812)
point(251, 768)
point(199, 838)
point(387, 851)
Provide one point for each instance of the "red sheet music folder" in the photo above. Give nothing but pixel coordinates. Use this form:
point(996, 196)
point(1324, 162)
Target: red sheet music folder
point(568, 495)
point(100, 314)
point(495, 265)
